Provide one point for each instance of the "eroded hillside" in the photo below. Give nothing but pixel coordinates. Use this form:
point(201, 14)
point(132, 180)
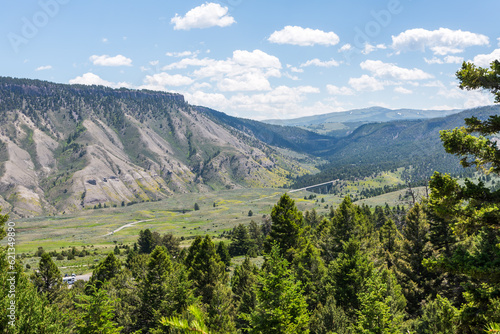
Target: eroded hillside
point(65, 148)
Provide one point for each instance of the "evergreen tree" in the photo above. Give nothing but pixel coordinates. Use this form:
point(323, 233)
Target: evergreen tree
point(310, 270)
point(286, 228)
point(223, 253)
point(97, 313)
point(205, 268)
point(107, 269)
point(153, 288)
point(382, 305)
point(389, 239)
point(240, 241)
point(48, 278)
point(349, 222)
point(417, 282)
point(146, 242)
point(347, 276)
point(281, 306)
point(243, 284)
point(329, 319)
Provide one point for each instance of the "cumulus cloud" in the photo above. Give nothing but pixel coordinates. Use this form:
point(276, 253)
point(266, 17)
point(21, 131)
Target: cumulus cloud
point(164, 79)
point(441, 42)
point(244, 71)
point(93, 79)
point(402, 90)
point(303, 36)
point(204, 16)
point(106, 60)
point(366, 83)
point(387, 70)
point(320, 63)
point(484, 60)
point(334, 90)
point(44, 68)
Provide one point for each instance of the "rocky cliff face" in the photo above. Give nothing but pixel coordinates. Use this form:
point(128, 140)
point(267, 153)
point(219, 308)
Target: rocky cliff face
point(65, 148)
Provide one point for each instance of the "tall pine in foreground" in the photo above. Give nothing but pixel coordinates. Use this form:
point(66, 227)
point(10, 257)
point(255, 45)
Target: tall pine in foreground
point(472, 210)
point(281, 306)
point(286, 228)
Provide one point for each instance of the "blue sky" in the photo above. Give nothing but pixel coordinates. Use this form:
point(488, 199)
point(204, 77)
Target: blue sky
point(258, 59)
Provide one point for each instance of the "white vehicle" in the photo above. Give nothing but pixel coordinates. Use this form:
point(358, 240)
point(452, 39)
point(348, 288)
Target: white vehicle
point(69, 280)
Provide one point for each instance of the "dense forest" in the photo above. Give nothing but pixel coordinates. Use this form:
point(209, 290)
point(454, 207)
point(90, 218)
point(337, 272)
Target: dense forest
point(430, 268)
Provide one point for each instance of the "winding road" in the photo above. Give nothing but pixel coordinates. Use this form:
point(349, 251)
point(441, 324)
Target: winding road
point(126, 225)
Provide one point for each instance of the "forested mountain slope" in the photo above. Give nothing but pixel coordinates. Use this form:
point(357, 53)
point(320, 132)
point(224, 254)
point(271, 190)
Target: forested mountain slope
point(383, 146)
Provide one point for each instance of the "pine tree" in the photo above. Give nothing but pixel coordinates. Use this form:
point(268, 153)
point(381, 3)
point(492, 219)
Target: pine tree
point(381, 305)
point(243, 284)
point(310, 271)
point(223, 253)
point(281, 306)
point(240, 241)
point(48, 278)
point(107, 269)
point(415, 279)
point(97, 313)
point(286, 228)
point(153, 288)
point(146, 242)
point(347, 276)
point(205, 268)
point(390, 240)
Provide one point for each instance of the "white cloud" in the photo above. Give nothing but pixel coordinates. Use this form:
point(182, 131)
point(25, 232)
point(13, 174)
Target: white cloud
point(445, 60)
point(484, 60)
point(334, 90)
point(387, 70)
point(366, 83)
point(164, 79)
point(179, 54)
point(93, 79)
point(212, 100)
point(256, 58)
point(320, 63)
point(498, 39)
point(442, 41)
point(204, 16)
point(294, 69)
point(106, 60)
point(402, 90)
point(434, 60)
point(154, 62)
point(244, 71)
point(44, 68)
point(246, 82)
point(477, 99)
point(104, 40)
point(453, 60)
point(345, 47)
point(303, 36)
point(370, 48)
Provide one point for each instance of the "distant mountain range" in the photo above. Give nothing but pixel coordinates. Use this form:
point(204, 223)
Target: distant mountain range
point(72, 147)
point(366, 115)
